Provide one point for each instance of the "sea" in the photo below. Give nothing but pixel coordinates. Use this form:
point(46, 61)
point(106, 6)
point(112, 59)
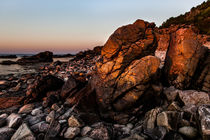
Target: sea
point(23, 69)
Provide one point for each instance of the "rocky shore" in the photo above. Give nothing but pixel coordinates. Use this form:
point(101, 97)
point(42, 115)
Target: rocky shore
point(144, 83)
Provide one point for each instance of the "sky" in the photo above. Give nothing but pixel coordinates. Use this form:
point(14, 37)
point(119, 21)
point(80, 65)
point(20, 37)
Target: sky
point(68, 26)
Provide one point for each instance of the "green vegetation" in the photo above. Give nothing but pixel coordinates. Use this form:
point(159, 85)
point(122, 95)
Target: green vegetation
point(199, 16)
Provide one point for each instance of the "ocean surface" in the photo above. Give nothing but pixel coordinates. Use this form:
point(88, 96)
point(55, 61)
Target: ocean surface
point(19, 69)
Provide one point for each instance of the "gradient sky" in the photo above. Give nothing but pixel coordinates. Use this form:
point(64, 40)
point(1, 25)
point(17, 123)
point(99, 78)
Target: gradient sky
point(65, 26)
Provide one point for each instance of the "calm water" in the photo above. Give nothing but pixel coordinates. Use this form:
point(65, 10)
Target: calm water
point(18, 69)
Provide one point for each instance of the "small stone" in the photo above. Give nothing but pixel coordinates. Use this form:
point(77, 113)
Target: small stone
point(134, 137)
point(168, 119)
point(73, 122)
point(23, 133)
point(50, 117)
point(55, 107)
point(71, 132)
point(36, 111)
point(62, 121)
point(40, 127)
point(14, 120)
point(26, 109)
point(189, 132)
point(3, 119)
point(6, 133)
point(174, 106)
point(129, 125)
point(34, 119)
point(171, 93)
point(85, 130)
point(151, 117)
point(86, 138)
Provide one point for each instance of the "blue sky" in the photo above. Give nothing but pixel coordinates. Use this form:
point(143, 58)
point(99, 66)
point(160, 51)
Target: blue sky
point(71, 25)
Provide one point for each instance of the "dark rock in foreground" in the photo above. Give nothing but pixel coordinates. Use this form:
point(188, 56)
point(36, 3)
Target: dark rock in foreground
point(41, 57)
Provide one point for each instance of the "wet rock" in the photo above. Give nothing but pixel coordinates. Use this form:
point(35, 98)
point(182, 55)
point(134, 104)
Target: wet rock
point(6, 133)
point(182, 58)
point(189, 132)
point(71, 132)
point(26, 109)
point(73, 122)
point(192, 97)
point(85, 130)
point(204, 119)
point(168, 119)
point(14, 120)
point(23, 133)
point(41, 57)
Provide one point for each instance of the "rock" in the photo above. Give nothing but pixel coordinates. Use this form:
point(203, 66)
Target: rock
point(3, 119)
point(14, 120)
point(6, 102)
point(53, 130)
point(41, 86)
point(174, 106)
point(182, 58)
point(36, 111)
point(8, 56)
point(171, 93)
point(34, 119)
point(158, 133)
point(100, 132)
point(41, 57)
point(134, 137)
point(85, 130)
point(40, 127)
point(50, 117)
point(23, 133)
point(8, 62)
point(189, 132)
point(192, 97)
point(73, 122)
point(86, 138)
point(151, 117)
point(71, 132)
point(55, 107)
point(168, 119)
point(26, 109)
point(6, 133)
point(126, 66)
point(204, 119)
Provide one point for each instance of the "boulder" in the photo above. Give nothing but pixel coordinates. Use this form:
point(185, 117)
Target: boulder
point(182, 58)
point(23, 133)
point(40, 57)
point(73, 122)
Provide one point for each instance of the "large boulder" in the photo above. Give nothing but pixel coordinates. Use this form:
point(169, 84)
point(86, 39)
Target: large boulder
point(127, 66)
point(40, 57)
point(183, 57)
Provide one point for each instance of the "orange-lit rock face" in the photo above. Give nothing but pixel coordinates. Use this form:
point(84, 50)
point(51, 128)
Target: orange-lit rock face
point(127, 66)
point(182, 58)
